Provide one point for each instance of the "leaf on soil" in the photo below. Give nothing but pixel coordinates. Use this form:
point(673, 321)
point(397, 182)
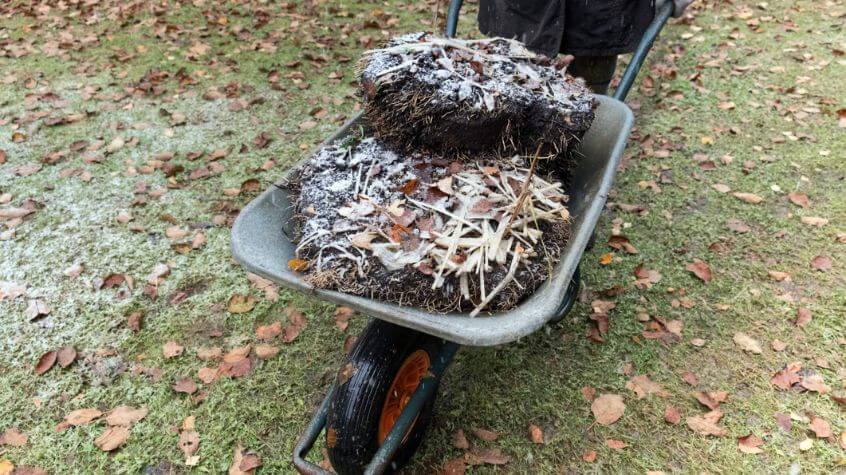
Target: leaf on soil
point(672, 415)
point(821, 263)
point(803, 316)
point(46, 362)
point(241, 303)
point(125, 415)
point(814, 382)
point(747, 343)
point(484, 434)
point(268, 332)
point(243, 462)
point(112, 438)
point(750, 198)
point(172, 349)
point(616, 444)
point(13, 437)
point(700, 269)
point(185, 385)
point(646, 277)
point(787, 377)
point(492, 456)
point(608, 408)
point(750, 444)
point(642, 386)
point(707, 424)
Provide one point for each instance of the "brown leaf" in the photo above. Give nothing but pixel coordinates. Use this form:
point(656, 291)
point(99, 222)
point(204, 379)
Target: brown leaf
point(409, 187)
point(672, 415)
point(783, 421)
point(493, 456)
point(814, 221)
point(459, 440)
point(751, 198)
point(297, 265)
point(608, 408)
point(750, 444)
point(185, 385)
point(112, 438)
point(821, 263)
point(821, 428)
point(13, 437)
point(535, 434)
point(799, 199)
point(65, 356)
point(711, 399)
point(82, 416)
point(125, 415)
point(690, 378)
point(737, 226)
point(189, 442)
point(37, 308)
point(814, 382)
point(46, 362)
point(589, 456)
point(265, 352)
point(456, 466)
point(707, 424)
point(243, 463)
point(700, 269)
point(208, 375)
point(642, 386)
point(209, 353)
point(268, 332)
point(296, 323)
point(616, 444)
point(646, 277)
point(133, 321)
point(787, 377)
point(241, 303)
point(484, 434)
point(747, 343)
point(342, 317)
point(172, 349)
point(803, 316)
point(589, 393)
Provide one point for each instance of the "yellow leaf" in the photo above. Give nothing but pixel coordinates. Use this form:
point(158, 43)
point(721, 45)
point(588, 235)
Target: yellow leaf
point(241, 303)
point(297, 265)
point(606, 258)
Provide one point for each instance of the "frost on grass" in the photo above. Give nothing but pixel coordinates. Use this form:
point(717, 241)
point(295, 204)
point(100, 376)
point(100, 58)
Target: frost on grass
point(417, 229)
point(471, 95)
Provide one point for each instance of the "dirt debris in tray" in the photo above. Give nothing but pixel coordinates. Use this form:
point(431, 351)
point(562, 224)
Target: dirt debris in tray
point(417, 229)
point(458, 95)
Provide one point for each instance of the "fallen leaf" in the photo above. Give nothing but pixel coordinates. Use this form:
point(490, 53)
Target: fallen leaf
point(707, 424)
point(711, 399)
point(737, 226)
point(459, 440)
point(751, 198)
point(608, 408)
point(297, 265)
point(700, 269)
point(243, 462)
point(65, 356)
point(803, 316)
point(690, 378)
point(778, 276)
point(750, 444)
point(484, 434)
point(6, 467)
point(81, 417)
point(342, 317)
point(806, 444)
point(37, 308)
point(799, 199)
point(589, 456)
point(821, 428)
point(268, 332)
point(265, 352)
point(814, 382)
point(821, 263)
point(783, 421)
point(721, 188)
point(747, 343)
point(814, 221)
point(616, 444)
point(241, 303)
point(778, 345)
point(589, 393)
point(642, 386)
point(112, 438)
point(13, 437)
point(672, 415)
point(172, 349)
point(185, 385)
point(209, 353)
point(189, 442)
point(535, 434)
point(125, 415)
point(492, 456)
point(787, 377)
point(46, 362)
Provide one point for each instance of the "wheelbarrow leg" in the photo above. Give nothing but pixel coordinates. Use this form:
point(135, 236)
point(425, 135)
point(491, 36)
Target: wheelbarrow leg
point(570, 296)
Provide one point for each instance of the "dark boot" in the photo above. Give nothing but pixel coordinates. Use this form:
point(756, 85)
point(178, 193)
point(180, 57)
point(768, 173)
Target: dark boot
point(597, 71)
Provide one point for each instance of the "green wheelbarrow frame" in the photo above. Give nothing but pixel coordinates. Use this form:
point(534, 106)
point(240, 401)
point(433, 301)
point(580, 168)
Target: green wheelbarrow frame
point(262, 243)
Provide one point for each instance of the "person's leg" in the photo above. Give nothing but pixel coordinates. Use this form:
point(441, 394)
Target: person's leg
point(597, 71)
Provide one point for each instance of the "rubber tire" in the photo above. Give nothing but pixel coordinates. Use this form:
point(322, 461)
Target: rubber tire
point(354, 412)
point(569, 297)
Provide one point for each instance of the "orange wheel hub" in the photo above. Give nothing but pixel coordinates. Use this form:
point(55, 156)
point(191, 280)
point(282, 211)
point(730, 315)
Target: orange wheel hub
point(413, 369)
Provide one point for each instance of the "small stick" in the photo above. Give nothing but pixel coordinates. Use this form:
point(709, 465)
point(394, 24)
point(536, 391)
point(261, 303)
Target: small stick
point(525, 188)
point(505, 280)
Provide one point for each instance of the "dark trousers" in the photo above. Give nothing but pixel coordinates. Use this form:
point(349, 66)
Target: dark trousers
point(597, 71)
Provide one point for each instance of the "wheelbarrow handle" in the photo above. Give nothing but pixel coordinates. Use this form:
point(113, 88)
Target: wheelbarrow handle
point(627, 80)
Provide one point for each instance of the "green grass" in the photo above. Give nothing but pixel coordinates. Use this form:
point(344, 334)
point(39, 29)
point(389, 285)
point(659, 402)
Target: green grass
point(537, 380)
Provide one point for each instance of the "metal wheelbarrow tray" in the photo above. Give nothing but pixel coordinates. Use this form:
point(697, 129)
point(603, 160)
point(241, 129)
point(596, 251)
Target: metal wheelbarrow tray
point(262, 243)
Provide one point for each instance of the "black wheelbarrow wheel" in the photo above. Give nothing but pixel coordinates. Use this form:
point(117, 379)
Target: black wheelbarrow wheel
point(374, 386)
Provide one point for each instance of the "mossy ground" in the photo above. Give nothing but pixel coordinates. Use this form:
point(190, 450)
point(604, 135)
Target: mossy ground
point(779, 65)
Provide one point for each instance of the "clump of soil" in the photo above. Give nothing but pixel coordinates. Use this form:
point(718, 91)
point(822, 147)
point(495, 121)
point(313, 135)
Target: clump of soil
point(417, 229)
point(460, 96)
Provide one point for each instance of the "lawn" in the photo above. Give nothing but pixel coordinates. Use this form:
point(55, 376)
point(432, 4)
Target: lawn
point(132, 133)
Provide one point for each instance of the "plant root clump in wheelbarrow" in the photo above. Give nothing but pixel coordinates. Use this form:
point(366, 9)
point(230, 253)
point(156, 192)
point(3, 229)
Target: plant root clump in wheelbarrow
point(416, 229)
point(458, 96)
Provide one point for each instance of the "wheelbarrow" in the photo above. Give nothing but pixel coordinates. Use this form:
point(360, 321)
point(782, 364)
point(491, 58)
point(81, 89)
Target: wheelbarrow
point(377, 411)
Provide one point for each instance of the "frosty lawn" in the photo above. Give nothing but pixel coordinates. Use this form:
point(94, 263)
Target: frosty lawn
point(741, 99)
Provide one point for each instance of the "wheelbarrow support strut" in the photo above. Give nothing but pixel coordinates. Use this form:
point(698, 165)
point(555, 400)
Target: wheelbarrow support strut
point(446, 351)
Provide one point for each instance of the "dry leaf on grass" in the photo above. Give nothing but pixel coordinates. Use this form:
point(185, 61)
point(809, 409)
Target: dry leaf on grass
point(189, 442)
point(484, 434)
point(244, 462)
point(112, 438)
point(750, 198)
point(125, 415)
point(642, 386)
point(172, 349)
point(185, 385)
point(707, 424)
point(13, 437)
point(241, 303)
point(82, 416)
point(814, 221)
point(46, 362)
point(700, 269)
point(268, 332)
point(750, 444)
point(265, 352)
point(608, 408)
point(747, 343)
point(616, 444)
point(799, 199)
point(821, 428)
point(711, 399)
point(672, 415)
point(459, 440)
point(535, 434)
point(65, 356)
point(821, 263)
